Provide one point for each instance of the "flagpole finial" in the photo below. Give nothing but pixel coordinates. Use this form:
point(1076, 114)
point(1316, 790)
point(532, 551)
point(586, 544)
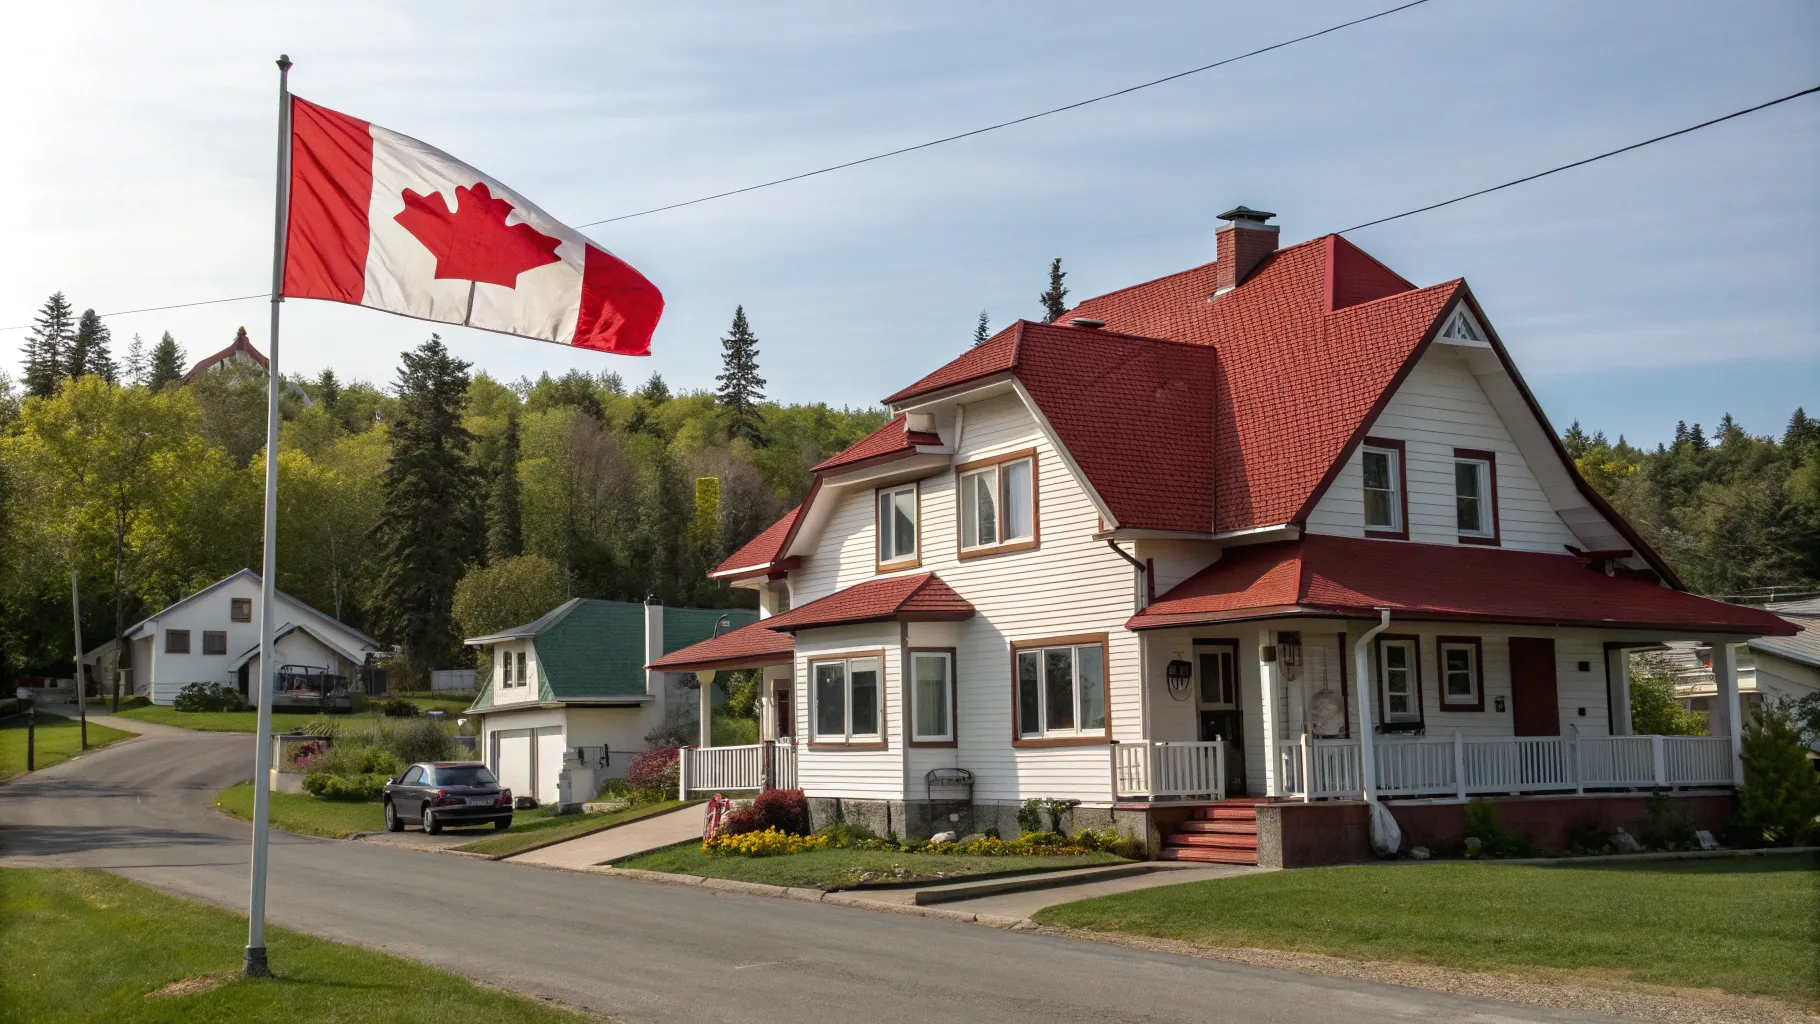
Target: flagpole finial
point(284, 62)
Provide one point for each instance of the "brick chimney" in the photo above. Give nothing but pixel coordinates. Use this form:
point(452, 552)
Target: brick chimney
point(1242, 243)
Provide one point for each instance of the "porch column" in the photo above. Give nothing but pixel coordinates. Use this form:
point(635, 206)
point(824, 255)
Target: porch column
point(1617, 669)
point(707, 707)
point(1725, 674)
point(1268, 687)
point(1362, 684)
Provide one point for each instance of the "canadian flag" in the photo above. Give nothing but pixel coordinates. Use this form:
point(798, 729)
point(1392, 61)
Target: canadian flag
point(379, 219)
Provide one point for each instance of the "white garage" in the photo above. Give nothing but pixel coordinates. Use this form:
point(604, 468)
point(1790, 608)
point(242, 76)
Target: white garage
point(527, 761)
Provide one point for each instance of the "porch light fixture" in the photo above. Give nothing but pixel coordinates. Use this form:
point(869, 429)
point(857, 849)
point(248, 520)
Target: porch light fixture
point(1289, 655)
point(1180, 675)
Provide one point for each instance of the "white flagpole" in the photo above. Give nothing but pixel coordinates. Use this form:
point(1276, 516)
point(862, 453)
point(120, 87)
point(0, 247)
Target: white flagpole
point(254, 962)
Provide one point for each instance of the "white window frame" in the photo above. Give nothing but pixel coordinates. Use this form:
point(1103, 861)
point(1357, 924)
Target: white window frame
point(914, 688)
point(1482, 474)
point(1472, 696)
point(1414, 714)
point(994, 478)
point(1043, 731)
point(1394, 476)
point(524, 675)
point(847, 734)
point(895, 498)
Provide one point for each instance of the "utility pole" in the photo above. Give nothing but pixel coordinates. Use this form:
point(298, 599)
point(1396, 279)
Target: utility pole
point(81, 690)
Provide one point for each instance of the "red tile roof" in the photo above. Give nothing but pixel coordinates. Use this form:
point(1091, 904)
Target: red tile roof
point(749, 646)
point(762, 550)
point(996, 354)
point(919, 598)
point(890, 439)
point(1353, 577)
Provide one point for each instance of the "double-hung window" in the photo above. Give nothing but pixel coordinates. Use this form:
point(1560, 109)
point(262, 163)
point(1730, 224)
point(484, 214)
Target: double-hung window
point(897, 527)
point(214, 642)
point(932, 696)
point(176, 641)
point(522, 678)
point(1461, 685)
point(1399, 680)
point(240, 609)
point(505, 670)
point(847, 697)
point(1061, 689)
point(998, 504)
point(1383, 488)
point(1475, 491)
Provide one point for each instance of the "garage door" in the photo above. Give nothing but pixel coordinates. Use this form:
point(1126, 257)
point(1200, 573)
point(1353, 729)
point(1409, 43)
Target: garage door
point(548, 763)
point(512, 753)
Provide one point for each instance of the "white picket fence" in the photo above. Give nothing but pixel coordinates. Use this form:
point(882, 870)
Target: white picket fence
point(1156, 769)
point(1458, 766)
point(753, 766)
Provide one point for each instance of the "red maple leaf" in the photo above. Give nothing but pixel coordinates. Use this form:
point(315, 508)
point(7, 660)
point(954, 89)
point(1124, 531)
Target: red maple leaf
point(473, 242)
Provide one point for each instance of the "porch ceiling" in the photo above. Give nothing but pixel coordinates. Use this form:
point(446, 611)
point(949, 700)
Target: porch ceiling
point(1350, 577)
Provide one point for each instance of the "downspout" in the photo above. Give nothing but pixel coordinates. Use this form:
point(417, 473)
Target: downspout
point(1361, 663)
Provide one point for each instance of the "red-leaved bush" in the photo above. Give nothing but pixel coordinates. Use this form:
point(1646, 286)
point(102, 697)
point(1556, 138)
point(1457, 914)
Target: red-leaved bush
point(654, 769)
point(786, 810)
point(741, 820)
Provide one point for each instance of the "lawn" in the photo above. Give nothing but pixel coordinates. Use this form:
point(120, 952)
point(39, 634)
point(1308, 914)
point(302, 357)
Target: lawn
point(86, 945)
point(538, 827)
point(305, 814)
point(841, 869)
point(59, 739)
point(1745, 925)
point(282, 721)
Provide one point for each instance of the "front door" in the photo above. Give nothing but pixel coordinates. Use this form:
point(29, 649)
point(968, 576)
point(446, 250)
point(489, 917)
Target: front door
point(780, 699)
point(245, 677)
point(1217, 697)
point(1535, 707)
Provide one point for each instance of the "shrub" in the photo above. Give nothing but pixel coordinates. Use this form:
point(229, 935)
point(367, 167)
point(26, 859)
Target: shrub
point(1494, 839)
point(398, 707)
point(846, 833)
point(305, 755)
point(741, 820)
point(207, 697)
point(417, 739)
point(1587, 837)
point(1041, 814)
point(655, 774)
point(1666, 825)
point(349, 759)
point(1781, 795)
point(786, 810)
point(345, 787)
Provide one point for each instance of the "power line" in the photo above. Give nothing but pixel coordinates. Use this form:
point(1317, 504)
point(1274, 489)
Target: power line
point(1580, 163)
point(1007, 124)
point(155, 309)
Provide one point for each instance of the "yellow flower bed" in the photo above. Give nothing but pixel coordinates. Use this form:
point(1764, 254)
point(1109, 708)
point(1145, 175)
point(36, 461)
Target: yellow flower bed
point(769, 843)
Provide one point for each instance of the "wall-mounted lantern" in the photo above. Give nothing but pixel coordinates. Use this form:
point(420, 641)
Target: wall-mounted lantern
point(1180, 676)
point(1289, 655)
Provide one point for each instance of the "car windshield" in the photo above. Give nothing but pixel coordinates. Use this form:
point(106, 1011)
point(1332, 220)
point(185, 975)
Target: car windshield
point(465, 775)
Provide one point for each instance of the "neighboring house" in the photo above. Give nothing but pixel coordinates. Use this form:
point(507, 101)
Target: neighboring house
point(1776, 668)
point(212, 636)
point(240, 353)
point(576, 678)
point(1283, 526)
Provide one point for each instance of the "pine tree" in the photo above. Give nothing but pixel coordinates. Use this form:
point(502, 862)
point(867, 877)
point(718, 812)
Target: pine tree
point(168, 362)
point(328, 388)
point(1801, 431)
point(982, 330)
point(47, 346)
point(1055, 300)
point(505, 523)
point(741, 388)
point(1576, 442)
point(428, 533)
point(88, 351)
point(137, 363)
point(655, 390)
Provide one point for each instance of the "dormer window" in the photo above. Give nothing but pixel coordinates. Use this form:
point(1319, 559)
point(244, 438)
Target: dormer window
point(1385, 502)
point(897, 528)
point(998, 504)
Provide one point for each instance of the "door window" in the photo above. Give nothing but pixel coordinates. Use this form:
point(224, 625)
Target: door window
point(1219, 679)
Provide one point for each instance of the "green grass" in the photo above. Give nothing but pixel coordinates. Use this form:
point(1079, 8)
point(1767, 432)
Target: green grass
point(305, 814)
point(841, 869)
point(86, 946)
point(282, 721)
point(535, 828)
point(1747, 925)
point(58, 739)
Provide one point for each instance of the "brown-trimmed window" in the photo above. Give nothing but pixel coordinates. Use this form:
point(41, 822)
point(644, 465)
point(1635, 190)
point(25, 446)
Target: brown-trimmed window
point(176, 641)
point(932, 695)
point(240, 609)
point(998, 504)
point(847, 698)
point(1399, 680)
point(1462, 663)
point(1059, 694)
point(898, 522)
point(1475, 488)
point(1385, 491)
point(214, 642)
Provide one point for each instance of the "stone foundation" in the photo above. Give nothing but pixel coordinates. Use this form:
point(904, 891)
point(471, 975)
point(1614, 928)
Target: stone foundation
point(920, 819)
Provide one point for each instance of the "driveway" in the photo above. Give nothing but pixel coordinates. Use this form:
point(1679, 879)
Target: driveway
point(638, 951)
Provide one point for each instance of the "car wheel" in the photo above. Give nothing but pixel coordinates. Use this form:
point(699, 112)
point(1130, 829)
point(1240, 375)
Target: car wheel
point(392, 822)
point(501, 824)
point(430, 824)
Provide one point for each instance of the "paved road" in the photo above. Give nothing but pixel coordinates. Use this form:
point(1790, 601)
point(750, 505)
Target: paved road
point(634, 950)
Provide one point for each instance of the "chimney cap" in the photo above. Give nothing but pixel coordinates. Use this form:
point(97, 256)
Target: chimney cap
point(1086, 321)
point(1246, 214)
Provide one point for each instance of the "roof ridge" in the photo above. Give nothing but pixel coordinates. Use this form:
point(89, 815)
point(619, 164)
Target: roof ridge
point(1101, 332)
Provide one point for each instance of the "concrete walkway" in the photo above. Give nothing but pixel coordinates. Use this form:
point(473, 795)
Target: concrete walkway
point(651, 833)
point(1024, 904)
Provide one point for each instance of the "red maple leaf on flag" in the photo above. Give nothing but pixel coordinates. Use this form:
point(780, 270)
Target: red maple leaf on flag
point(473, 242)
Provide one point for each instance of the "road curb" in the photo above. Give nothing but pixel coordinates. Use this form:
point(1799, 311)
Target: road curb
point(838, 898)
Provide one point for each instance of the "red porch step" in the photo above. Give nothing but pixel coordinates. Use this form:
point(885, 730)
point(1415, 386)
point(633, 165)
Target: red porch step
point(1222, 833)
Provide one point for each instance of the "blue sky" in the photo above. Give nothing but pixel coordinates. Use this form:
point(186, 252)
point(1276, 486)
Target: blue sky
point(1678, 282)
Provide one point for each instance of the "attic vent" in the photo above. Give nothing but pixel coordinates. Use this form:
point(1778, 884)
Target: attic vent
point(1461, 328)
point(1085, 321)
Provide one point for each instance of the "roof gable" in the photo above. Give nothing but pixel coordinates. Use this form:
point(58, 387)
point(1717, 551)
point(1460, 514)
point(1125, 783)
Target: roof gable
point(923, 597)
point(597, 648)
point(762, 551)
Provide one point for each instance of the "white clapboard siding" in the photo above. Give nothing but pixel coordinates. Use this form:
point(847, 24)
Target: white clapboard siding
point(826, 770)
point(1438, 408)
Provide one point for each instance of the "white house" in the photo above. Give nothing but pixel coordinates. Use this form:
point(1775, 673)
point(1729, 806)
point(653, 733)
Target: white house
point(212, 636)
point(1226, 557)
point(1776, 668)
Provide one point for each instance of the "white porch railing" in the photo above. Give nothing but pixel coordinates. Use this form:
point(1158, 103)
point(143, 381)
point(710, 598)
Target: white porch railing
point(753, 766)
point(1147, 769)
point(1433, 766)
